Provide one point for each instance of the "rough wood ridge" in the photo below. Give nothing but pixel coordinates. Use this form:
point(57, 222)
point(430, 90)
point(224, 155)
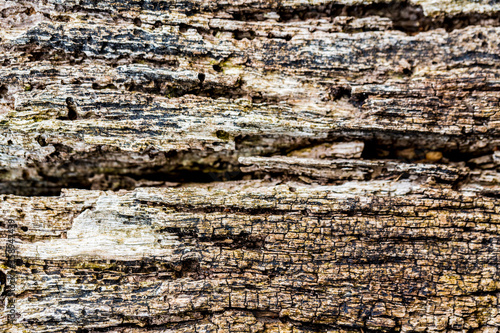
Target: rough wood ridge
point(249, 166)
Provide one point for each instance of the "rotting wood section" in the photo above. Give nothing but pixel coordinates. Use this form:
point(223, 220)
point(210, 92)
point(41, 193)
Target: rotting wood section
point(249, 166)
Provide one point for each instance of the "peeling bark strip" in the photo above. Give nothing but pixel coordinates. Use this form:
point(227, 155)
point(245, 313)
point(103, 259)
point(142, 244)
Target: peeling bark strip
point(249, 166)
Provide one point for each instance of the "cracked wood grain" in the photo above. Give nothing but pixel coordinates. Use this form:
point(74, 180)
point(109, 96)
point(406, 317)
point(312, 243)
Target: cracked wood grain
point(249, 166)
point(188, 256)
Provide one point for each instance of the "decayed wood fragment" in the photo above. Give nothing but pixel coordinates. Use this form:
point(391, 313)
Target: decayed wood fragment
point(379, 255)
point(249, 166)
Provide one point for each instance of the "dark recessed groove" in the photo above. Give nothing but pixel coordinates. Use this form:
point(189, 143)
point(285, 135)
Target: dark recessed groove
point(404, 15)
point(169, 170)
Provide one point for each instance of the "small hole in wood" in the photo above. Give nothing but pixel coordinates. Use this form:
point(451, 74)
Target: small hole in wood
point(3, 283)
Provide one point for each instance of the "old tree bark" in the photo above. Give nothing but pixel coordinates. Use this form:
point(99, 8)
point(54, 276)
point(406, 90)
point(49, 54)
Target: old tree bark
point(249, 166)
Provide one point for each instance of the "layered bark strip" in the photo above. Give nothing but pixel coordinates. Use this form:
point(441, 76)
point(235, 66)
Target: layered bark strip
point(249, 166)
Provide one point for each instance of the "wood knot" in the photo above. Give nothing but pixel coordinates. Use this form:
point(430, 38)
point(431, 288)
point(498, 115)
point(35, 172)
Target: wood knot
point(71, 105)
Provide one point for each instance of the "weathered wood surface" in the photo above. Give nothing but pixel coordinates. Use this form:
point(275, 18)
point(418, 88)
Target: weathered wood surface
point(249, 166)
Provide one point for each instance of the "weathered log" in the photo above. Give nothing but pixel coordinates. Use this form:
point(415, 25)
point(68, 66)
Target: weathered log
point(249, 166)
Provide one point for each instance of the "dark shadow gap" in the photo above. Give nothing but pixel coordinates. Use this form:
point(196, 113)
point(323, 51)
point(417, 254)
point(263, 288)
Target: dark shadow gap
point(405, 16)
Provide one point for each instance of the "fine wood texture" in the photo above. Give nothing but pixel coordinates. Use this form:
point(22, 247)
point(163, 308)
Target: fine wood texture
point(249, 166)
